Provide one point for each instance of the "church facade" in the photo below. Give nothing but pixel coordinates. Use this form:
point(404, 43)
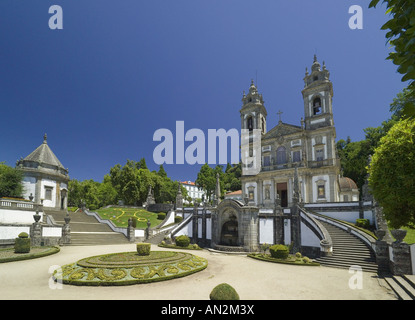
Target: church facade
point(310, 147)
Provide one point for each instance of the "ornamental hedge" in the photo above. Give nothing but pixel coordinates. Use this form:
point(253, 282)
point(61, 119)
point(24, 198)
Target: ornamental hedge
point(22, 243)
point(224, 291)
point(143, 249)
point(182, 241)
point(279, 251)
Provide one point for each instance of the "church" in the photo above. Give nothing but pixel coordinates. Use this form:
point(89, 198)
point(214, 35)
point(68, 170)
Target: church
point(309, 146)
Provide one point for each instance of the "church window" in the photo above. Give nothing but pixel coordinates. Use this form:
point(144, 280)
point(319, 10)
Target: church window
point(250, 123)
point(316, 106)
point(263, 125)
point(281, 155)
point(267, 161)
point(319, 154)
point(297, 156)
point(321, 193)
point(48, 193)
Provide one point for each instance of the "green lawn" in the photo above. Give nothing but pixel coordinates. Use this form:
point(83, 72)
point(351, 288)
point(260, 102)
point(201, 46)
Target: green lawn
point(120, 216)
point(410, 236)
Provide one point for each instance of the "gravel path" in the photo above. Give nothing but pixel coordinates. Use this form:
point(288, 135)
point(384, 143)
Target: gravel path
point(252, 279)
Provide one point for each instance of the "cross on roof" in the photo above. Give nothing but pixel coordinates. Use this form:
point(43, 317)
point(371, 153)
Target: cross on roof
point(279, 115)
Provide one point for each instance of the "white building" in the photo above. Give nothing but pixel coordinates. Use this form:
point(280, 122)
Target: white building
point(45, 178)
point(193, 191)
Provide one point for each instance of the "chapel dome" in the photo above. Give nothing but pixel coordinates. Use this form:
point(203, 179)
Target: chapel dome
point(347, 184)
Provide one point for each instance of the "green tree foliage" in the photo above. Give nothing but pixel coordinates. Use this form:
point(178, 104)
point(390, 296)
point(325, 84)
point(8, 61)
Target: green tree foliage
point(401, 35)
point(129, 183)
point(354, 155)
point(10, 181)
point(133, 180)
point(392, 174)
point(229, 179)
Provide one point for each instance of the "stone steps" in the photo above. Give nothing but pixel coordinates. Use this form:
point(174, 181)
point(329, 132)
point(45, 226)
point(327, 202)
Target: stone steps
point(403, 286)
point(348, 251)
point(86, 230)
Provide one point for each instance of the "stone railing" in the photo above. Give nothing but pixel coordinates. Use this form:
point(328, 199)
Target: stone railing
point(20, 205)
point(326, 243)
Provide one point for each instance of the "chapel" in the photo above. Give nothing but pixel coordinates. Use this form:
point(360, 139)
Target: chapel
point(45, 180)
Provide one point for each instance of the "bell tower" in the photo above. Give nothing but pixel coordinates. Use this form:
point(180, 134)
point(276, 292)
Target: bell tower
point(318, 96)
point(253, 112)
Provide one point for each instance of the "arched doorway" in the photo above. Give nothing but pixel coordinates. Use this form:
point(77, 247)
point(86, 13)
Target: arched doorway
point(229, 232)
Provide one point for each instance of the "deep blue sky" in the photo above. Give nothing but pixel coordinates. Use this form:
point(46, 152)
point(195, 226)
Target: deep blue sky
point(120, 70)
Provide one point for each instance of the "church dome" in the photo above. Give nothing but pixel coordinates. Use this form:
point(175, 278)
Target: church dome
point(347, 184)
point(43, 158)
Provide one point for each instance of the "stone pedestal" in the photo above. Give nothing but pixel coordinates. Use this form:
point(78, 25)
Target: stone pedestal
point(66, 231)
point(278, 229)
point(382, 254)
point(295, 230)
point(401, 258)
point(36, 234)
point(130, 231)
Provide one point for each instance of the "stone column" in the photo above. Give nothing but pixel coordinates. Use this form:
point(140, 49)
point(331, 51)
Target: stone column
point(204, 239)
point(296, 216)
point(278, 222)
point(251, 240)
point(130, 231)
point(195, 222)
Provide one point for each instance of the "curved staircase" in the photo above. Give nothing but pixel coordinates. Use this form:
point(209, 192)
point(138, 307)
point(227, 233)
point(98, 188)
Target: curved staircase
point(348, 251)
point(86, 230)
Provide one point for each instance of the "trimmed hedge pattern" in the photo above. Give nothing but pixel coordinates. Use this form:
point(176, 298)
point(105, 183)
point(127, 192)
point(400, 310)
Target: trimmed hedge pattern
point(129, 268)
point(8, 255)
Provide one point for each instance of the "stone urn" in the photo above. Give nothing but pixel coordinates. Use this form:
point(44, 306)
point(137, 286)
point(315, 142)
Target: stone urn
point(380, 234)
point(36, 216)
point(398, 234)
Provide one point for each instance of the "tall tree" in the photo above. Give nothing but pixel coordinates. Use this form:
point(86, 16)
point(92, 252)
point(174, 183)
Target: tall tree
point(401, 35)
point(392, 174)
point(10, 181)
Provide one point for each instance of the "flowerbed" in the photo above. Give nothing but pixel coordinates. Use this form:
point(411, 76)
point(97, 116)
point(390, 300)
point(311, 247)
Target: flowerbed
point(292, 259)
point(8, 255)
point(128, 268)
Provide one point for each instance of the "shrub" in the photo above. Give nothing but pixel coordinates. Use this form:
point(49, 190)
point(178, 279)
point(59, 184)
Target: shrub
point(22, 243)
point(182, 241)
point(161, 216)
point(298, 255)
point(178, 219)
point(279, 251)
point(143, 249)
point(363, 223)
point(223, 291)
point(306, 260)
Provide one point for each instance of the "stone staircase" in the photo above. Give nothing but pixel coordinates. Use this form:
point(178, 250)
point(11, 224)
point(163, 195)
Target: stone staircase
point(348, 251)
point(156, 238)
point(403, 286)
point(86, 230)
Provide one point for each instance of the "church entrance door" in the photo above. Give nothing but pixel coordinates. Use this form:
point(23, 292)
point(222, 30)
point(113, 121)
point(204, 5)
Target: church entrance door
point(283, 193)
